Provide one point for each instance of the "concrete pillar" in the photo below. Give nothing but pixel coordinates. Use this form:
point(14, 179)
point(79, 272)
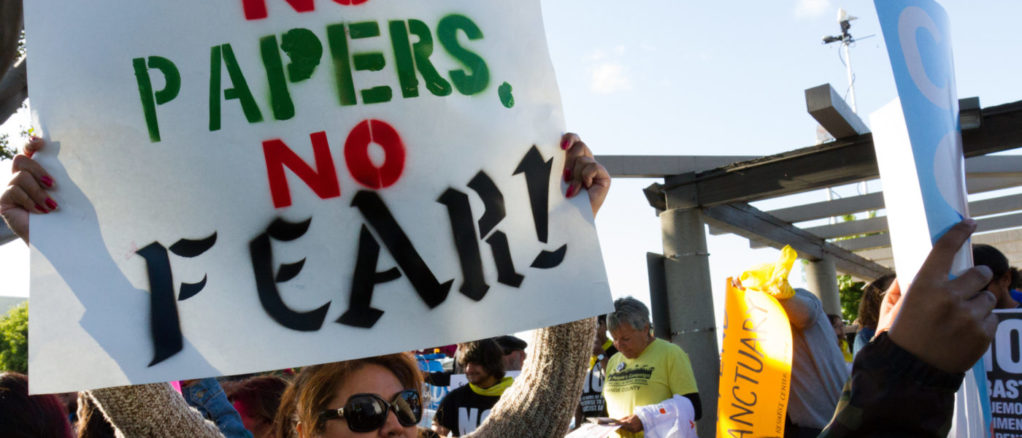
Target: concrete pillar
point(821, 277)
point(690, 304)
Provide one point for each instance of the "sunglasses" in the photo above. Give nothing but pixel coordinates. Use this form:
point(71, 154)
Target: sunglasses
point(368, 412)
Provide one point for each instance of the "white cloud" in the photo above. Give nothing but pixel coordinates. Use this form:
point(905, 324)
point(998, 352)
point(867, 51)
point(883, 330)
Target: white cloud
point(610, 78)
point(813, 8)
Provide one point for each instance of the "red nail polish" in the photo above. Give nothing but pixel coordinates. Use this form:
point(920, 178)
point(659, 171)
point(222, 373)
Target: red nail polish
point(47, 181)
point(571, 191)
point(40, 208)
point(50, 203)
point(567, 175)
point(565, 144)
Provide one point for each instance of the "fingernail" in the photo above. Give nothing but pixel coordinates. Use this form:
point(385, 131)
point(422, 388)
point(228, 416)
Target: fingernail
point(565, 143)
point(969, 221)
point(567, 175)
point(34, 138)
point(571, 191)
point(50, 203)
point(40, 208)
point(47, 181)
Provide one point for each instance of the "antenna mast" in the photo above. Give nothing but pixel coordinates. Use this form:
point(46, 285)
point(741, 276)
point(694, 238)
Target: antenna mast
point(846, 40)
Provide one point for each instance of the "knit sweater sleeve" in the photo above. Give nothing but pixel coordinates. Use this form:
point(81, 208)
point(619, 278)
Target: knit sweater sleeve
point(151, 410)
point(543, 397)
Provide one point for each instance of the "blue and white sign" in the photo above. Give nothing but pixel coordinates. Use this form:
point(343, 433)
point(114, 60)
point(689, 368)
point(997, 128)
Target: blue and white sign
point(918, 145)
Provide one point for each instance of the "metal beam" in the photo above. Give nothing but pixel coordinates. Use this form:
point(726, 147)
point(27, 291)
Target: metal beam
point(659, 166)
point(745, 220)
point(993, 223)
point(1008, 242)
point(985, 207)
point(850, 228)
point(840, 162)
point(995, 205)
point(983, 174)
point(832, 113)
point(825, 209)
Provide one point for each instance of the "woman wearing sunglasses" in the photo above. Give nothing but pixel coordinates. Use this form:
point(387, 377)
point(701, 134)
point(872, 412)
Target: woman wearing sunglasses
point(378, 396)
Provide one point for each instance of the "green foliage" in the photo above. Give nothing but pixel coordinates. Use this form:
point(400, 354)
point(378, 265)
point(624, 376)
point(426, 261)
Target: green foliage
point(851, 294)
point(6, 151)
point(14, 339)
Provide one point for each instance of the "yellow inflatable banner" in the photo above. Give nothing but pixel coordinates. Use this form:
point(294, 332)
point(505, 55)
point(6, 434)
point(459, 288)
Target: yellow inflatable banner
point(755, 359)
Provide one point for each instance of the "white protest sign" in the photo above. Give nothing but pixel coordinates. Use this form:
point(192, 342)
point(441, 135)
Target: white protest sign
point(1004, 372)
point(918, 145)
point(248, 185)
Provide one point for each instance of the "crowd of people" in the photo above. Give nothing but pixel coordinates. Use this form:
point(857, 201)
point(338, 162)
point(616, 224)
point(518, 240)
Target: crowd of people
point(902, 382)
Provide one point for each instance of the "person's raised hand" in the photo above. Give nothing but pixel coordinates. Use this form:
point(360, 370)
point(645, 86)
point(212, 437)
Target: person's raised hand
point(888, 307)
point(945, 323)
point(581, 171)
point(26, 192)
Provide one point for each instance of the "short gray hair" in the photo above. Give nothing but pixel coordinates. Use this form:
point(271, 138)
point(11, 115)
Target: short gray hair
point(629, 311)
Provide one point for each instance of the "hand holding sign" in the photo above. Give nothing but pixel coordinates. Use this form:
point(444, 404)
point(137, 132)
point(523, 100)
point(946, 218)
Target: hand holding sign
point(582, 170)
point(26, 191)
point(943, 311)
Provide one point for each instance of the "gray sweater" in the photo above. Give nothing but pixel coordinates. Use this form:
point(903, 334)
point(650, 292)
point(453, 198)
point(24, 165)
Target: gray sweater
point(818, 370)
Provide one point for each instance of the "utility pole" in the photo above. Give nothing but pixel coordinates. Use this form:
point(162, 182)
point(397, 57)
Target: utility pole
point(846, 40)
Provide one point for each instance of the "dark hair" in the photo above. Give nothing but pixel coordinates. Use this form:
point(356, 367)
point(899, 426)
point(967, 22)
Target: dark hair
point(260, 396)
point(509, 344)
point(983, 254)
point(484, 352)
point(872, 297)
point(1016, 279)
point(834, 318)
point(314, 387)
point(25, 416)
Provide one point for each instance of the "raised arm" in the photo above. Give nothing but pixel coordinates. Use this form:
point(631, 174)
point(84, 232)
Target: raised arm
point(802, 308)
point(152, 410)
point(543, 398)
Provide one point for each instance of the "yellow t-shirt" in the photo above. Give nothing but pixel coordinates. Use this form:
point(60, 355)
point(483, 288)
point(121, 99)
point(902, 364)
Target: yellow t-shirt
point(660, 371)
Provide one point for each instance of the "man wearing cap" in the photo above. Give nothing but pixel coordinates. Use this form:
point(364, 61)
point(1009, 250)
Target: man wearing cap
point(514, 352)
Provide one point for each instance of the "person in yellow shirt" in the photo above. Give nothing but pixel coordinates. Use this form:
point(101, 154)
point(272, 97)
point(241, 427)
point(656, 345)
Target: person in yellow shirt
point(646, 370)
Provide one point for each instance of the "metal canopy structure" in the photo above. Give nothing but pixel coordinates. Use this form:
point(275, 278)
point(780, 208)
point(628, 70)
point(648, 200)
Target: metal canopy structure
point(717, 191)
point(721, 191)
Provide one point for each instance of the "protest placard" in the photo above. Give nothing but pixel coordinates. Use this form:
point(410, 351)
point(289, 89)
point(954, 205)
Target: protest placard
point(918, 144)
point(248, 185)
point(755, 365)
point(1004, 375)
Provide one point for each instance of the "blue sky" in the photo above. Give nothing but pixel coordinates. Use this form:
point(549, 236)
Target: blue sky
point(670, 77)
point(665, 77)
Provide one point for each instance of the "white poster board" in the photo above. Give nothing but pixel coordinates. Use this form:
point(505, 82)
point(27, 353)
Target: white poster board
point(248, 185)
point(918, 143)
